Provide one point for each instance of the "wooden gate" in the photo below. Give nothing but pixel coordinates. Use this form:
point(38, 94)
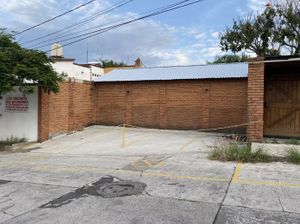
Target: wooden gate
point(282, 107)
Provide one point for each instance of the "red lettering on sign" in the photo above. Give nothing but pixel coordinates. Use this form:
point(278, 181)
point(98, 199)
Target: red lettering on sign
point(16, 104)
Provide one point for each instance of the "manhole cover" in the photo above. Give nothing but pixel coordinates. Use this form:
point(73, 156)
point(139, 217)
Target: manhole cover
point(121, 188)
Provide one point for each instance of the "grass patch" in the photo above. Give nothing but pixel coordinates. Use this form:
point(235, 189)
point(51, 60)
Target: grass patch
point(234, 151)
point(293, 156)
point(10, 141)
point(293, 141)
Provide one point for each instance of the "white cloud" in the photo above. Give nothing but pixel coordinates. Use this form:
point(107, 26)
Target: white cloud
point(29, 11)
point(257, 5)
point(215, 34)
point(155, 43)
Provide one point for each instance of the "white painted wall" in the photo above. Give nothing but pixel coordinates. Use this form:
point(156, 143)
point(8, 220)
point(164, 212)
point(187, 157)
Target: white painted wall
point(76, 71)
point(19, 124)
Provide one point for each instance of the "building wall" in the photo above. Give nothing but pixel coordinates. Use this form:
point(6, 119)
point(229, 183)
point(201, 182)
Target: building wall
point(71, 109)
point(76, 71)
point(188, 104)
point(19, 115)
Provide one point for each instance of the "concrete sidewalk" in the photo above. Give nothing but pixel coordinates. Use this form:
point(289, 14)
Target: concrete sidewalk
point(183, 186)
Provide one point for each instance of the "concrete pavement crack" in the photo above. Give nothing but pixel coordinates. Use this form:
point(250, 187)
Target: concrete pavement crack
point(148, 193)
point(279, 199)
point(225, 195)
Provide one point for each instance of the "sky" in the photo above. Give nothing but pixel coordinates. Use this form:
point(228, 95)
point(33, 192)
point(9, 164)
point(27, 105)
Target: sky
point(181, 37)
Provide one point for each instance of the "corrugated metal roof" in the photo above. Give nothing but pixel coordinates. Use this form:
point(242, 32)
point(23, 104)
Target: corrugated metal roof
point(213, 71)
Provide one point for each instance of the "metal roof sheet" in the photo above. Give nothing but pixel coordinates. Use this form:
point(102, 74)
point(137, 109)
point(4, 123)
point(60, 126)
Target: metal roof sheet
point(213, 71)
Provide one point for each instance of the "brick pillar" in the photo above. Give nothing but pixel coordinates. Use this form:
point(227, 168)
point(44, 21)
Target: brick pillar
point(43, 120)
point(256, 76)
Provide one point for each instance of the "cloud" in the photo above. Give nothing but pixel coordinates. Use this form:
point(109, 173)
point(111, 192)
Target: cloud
point(156, 43)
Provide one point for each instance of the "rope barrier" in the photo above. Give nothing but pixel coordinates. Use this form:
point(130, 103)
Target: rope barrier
point(123, 145)
point(229, 127)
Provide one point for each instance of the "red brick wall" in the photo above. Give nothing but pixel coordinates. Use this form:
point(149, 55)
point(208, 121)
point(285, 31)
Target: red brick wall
point(255, 130)
point(71, 109)
point(43, 122)
point(59, 110)
point(188, 104)
point(228, 102)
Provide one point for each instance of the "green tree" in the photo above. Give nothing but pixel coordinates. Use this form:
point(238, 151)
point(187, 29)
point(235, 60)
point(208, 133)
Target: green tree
point(230, 58)
point(254, 33)
point(289, 22)
point(24, 67)
point(276, 31)
point(111, 63)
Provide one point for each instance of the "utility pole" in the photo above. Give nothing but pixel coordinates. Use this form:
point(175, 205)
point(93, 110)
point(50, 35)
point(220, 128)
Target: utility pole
point(87, 53)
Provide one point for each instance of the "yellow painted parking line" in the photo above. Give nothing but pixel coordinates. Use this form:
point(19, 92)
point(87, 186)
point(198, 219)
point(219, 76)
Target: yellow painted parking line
point(185, 145)
point(268, 183)
point(237, 172)
point(184, 177)
point(133, 142)
point(160, 164)
point(58, 169)
point(147, 163)
point(123, 134)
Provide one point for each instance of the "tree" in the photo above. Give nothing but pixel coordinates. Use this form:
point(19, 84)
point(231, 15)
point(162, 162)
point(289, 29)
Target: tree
point(24, 67)
point(230, 58)
point(254, 33)
point(289, 35)
point(111, 63)
point(273, 32)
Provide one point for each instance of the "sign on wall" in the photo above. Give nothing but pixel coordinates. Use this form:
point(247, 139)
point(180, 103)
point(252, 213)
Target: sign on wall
point(16, 104)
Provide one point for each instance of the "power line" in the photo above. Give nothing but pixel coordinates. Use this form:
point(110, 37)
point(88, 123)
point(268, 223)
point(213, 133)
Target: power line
point(83, 21)
point(161, 10)
point(37, 45)
point(95, 33)
point(58, 16)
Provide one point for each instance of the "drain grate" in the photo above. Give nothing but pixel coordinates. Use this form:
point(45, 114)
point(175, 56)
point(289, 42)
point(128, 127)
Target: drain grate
point(106, 187)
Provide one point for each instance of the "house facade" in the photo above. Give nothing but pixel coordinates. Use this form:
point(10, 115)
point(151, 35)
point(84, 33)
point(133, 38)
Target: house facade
point(260, 98)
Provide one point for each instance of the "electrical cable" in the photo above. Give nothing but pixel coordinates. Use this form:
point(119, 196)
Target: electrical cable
point(51, 19)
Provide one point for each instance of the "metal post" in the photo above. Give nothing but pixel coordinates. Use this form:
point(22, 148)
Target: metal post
point(123, 135)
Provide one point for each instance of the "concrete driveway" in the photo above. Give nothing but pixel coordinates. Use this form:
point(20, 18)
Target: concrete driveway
point(183, 186)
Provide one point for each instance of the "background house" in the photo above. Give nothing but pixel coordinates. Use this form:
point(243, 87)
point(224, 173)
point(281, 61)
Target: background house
point(86, 72)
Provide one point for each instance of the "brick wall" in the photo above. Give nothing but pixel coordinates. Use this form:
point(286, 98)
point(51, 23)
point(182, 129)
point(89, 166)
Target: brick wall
point(191, 104)
point(71, 109)
point(188, 104)
point(255, 130)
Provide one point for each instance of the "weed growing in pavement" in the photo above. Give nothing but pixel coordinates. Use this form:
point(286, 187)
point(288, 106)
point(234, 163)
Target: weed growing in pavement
point(293, 156)
point(234, 151)
point(293, 141)
point(10, 141)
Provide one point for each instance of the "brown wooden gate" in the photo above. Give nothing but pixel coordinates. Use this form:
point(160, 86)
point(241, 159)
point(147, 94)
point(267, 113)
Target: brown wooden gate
point(282, 107)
